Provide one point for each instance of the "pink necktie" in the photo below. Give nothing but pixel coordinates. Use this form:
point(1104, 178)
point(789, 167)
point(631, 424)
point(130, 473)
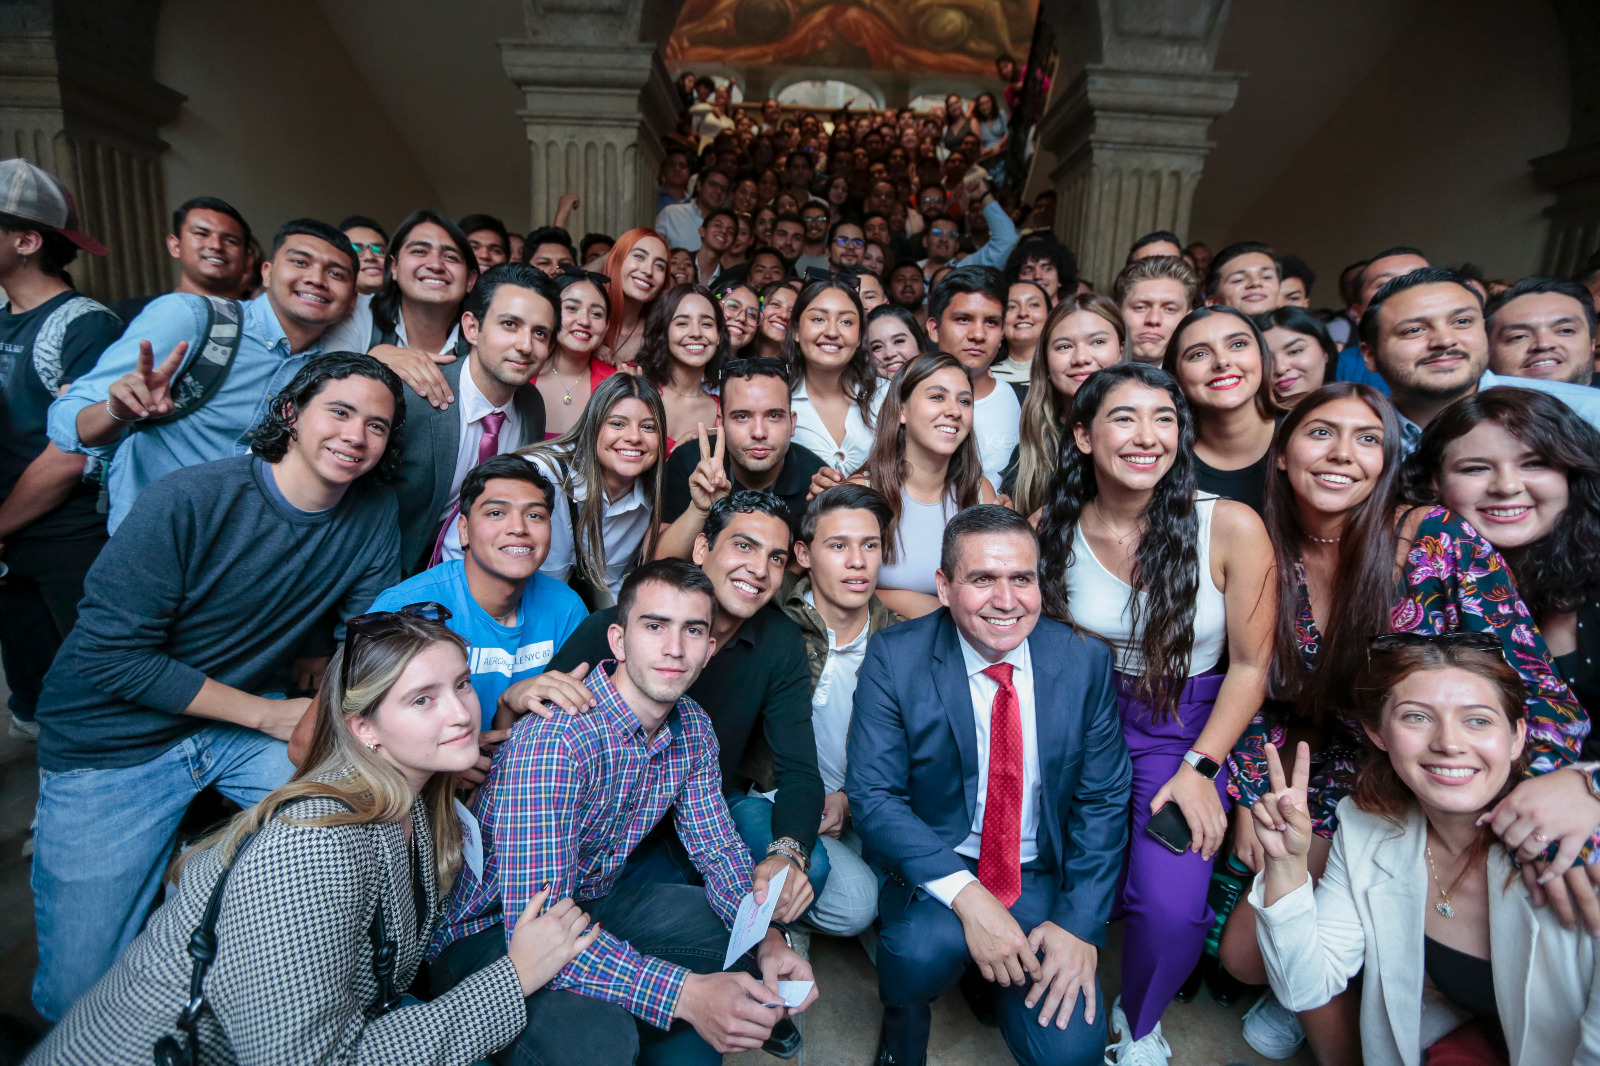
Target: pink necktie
point(488, 448)
point(1000, 850)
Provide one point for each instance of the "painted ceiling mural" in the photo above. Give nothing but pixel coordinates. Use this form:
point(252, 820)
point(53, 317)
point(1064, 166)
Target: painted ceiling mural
point(939, 36)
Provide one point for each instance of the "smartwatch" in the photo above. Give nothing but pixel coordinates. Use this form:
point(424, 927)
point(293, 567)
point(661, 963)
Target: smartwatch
point(1204, 765)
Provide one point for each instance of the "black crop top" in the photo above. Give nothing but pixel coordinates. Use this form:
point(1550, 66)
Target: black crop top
point(1465, 980)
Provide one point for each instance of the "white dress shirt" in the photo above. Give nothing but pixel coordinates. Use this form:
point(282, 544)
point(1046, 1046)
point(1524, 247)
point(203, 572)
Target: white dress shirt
point(833, 700)
point(982, 689)
point(354, 333)
point(845, 456)
point(623, 526)
point(473, 406)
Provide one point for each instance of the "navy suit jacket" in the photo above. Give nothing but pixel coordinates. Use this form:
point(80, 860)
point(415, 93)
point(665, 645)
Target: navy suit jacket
point(913, 762)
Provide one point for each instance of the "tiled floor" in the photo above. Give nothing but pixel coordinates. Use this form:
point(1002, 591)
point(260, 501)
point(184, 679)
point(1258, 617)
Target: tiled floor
point(841, 1029)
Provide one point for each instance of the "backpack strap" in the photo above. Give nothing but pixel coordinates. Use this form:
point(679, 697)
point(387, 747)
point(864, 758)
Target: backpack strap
point(53, 334)
point(209, 369)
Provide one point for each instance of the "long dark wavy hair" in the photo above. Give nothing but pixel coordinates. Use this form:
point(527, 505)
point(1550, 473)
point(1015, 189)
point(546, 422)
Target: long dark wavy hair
point(1167, 564)
point(860, 376)
point(1562, 569)
point(655, 354)
point(885, 468)
point(270, 439)
point(1366, 581)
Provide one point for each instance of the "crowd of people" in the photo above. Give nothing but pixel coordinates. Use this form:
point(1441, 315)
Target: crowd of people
point(534, 601)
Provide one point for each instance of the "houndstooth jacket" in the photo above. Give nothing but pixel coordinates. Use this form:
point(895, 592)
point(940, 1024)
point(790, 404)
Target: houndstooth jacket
point(293, 979)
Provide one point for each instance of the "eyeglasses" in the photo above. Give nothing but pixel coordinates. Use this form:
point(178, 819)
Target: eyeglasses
point(816, 218)
point(942, 233)
point(382, 624)
point(375, 249)
point(850, 242)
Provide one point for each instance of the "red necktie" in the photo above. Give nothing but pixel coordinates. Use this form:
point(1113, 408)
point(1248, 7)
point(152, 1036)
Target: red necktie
point(1000, 852)
point(488, 448)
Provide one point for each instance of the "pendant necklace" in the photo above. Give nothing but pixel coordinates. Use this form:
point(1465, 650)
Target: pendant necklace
point(1120, 538)
point(567, 399)
point(1443, 906)
point(1324, 540)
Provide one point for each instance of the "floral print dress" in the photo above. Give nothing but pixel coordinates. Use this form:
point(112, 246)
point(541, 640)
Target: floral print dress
point(1453, 581)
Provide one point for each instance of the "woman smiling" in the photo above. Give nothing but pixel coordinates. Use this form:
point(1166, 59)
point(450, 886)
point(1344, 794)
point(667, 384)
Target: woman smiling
point(1224, 367)
point(685, 342)
point(637, 267)
point(575, 367)
point(1027, 306)
point(836, 393)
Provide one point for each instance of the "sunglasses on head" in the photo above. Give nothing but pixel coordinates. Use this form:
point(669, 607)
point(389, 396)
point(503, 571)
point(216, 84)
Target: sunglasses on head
point(381, 624)
point(573, 271)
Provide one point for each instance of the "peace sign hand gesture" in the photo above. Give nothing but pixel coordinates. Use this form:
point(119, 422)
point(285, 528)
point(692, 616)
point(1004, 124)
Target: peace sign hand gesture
point(1283, 816)
point(146, 390)
point(708, 483)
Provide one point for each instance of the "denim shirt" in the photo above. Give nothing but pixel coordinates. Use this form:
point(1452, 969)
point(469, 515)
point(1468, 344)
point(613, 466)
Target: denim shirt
point(1002, 239)
point(221, 429)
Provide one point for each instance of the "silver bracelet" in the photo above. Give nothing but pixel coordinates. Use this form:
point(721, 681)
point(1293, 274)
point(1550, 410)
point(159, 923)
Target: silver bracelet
point(116, 417)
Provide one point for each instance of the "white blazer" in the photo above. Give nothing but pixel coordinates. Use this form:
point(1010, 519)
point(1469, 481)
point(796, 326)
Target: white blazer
point(1368, 912)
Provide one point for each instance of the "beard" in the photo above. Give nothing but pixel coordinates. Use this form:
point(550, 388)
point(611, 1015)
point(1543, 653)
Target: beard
point(656, 687)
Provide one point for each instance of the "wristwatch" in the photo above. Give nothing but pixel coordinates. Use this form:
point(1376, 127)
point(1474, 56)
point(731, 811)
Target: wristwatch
point(1204, 765)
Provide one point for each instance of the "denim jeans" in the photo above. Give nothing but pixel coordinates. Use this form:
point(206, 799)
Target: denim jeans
point(102, 838)
point(567, 1028)
point(752, 816)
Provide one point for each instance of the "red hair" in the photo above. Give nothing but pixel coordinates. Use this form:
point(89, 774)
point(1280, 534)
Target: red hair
point(613, 270)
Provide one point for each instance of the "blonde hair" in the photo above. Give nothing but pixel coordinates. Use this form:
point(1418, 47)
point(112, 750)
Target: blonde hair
point(1046, 412)
point(1152, 267)
point(340, 768)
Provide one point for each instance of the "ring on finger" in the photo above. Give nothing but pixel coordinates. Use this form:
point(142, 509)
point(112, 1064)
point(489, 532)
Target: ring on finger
point(1541, 838)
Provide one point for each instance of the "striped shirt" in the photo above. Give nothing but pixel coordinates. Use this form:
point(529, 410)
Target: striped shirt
point(566, 802)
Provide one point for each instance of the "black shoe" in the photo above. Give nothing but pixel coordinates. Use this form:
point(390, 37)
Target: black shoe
point(1191, 987)
point(883, 1058)
point(979, 996)
point(784, 1043)
point(1226, 989)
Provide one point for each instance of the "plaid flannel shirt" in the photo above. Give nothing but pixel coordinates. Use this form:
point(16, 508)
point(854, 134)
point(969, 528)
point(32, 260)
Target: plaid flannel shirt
point(566, 802)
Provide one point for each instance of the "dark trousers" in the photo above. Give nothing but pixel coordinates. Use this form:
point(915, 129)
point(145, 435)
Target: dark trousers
point(38, 608)
point(923, 952)
point(671, 922)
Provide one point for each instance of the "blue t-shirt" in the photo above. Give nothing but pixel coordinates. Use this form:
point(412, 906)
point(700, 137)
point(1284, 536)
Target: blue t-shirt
point(1352, 367)
point(498, 655)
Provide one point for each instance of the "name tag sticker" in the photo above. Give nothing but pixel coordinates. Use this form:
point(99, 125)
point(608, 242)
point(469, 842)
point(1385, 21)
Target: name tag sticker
point(471, 841)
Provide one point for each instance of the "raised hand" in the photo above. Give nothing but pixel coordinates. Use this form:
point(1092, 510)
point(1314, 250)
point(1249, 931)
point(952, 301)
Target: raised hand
point(823, 480)
point(146, 390)
point(708, 483)
point(1283, 816)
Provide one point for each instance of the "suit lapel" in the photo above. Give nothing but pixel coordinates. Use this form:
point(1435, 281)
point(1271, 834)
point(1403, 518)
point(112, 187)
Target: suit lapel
point(950, 680)
point(1513, 945)
point(1050, 703)
point(446, 439)
point(530, 412)
point(1396, 899)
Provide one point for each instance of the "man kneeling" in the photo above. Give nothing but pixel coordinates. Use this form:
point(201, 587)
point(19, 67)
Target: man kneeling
point(988, 775)
point(566, 801)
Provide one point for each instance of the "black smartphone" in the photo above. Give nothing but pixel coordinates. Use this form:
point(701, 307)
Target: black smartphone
point(1169, 828)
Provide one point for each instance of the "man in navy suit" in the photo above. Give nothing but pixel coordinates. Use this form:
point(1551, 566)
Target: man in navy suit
point(989, 777)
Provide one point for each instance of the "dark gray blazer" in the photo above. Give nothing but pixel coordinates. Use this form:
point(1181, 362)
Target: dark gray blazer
point(293, 978)
point(432, 438)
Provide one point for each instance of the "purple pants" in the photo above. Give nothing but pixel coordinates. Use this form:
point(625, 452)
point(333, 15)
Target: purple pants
point(1162, 895)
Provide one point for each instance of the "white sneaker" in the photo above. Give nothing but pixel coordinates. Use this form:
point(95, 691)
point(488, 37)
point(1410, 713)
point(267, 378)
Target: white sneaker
point(23, 730)
point(1151, 1049)
point(1272, 1030)
point(1121, 1032)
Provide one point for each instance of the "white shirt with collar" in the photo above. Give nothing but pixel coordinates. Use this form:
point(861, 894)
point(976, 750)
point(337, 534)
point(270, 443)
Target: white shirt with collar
point(833, 701)
point(982, 690)
point(354, 333)
point(845, 456)
point(623, 526)
point(473, 405)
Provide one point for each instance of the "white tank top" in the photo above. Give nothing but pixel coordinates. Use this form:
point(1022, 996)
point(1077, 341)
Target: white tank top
point(917, 543)
point(1100, 601)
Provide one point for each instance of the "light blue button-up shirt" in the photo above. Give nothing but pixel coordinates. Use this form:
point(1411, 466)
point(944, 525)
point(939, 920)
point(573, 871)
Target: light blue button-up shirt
point(1002, 239)
point(220, 429)
point(1583, 399)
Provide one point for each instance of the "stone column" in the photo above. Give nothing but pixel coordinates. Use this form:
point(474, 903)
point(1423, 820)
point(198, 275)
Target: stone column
point(74, 101)
point(1130, 146)
point(1127, 123)
point(597, 102)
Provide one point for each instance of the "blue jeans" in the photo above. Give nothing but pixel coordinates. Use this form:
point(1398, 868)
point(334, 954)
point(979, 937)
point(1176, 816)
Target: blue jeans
point(567, 1027)
point(752, 816)
point(102, 838)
